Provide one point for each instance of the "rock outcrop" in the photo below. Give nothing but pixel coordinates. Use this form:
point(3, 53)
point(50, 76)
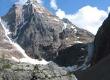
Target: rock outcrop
point(10, 70)
point(102, 42)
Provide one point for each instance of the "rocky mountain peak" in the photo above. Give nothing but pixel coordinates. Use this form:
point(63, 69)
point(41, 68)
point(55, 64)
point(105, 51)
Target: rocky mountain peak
point(34, 6)
point(42, 34)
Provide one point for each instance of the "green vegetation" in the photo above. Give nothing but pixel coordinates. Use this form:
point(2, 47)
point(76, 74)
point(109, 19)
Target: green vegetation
point(6, 66)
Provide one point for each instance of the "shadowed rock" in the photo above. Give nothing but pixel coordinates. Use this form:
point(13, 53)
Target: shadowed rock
point(100, 69)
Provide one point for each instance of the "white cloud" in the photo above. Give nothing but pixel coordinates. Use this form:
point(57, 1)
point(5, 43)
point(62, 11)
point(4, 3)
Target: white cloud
point(53, 4)
point(40, 1)
point(21, 1)
point(61, 14)
point(88, 17)
point(24, 1)
point(108, 9)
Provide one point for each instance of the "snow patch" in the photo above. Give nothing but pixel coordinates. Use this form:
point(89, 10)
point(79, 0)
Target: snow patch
point(55, 19)
point(78, 42)
point(72, 27)
point(67, 38)
point(64, 26)
point(33, 61)
point(75, 30)
point(15, 59)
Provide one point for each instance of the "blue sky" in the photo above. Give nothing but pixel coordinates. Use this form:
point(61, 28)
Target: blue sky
point(69, 6)
point(72, 6)
point(87, 14)
point(5, 5)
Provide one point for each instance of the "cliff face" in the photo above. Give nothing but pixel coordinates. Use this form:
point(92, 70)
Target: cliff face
point(102, 41)
point(35, 29)
point(42, 34)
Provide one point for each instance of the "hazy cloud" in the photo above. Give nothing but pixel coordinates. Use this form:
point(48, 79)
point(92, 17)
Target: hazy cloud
point(24, 1)
point(53, 4)
point(40, 1)
point(109, 9)
point(61, 14)
point(21, 1)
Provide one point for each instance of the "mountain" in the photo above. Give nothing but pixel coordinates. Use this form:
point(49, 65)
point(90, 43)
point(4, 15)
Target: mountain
point(37, 45)
point(16, 65)
point(100, 68)
point(43, 35)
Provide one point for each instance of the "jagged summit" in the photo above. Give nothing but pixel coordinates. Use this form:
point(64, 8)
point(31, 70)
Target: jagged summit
point(34, 5)
point(24, 2)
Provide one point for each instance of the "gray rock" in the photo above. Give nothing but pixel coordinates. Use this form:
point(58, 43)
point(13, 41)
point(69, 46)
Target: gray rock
point(40, 33)
point(23, 71)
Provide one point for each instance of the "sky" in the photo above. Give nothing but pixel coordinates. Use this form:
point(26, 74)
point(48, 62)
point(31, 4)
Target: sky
point(86, 14)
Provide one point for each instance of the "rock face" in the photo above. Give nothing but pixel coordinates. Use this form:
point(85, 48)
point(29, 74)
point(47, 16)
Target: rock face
point(78, 54)
point(35, 29)
point(22, 71)
point(42, 34)
point(102, 41)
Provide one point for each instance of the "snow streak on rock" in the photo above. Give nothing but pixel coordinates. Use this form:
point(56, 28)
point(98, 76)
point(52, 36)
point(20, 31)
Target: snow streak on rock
point(26, 58)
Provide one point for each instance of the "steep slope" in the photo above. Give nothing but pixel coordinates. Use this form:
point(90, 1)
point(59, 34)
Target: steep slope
point(36, 32)
point(43, 35)
point(11, 50)
point(7, 50)
point(102, 41)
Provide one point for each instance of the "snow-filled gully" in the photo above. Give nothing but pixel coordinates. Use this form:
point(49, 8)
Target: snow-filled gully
point(26, 58)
